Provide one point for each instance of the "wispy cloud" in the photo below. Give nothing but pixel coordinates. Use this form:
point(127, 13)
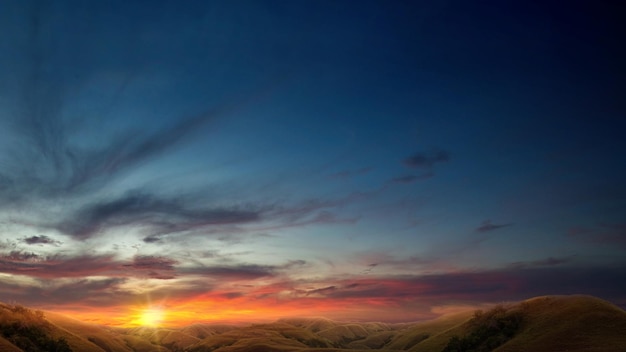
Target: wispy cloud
point(162, 215)
point(49, 160)
point(423, 160)
point(20, 256)
point(383, 261)
point(155, 267)
point(369, 268)
point(232, 273)
point(351, 173)
point(33, 265)
point(412, 178)
point(488, 226)
point(324, 291)
point(51, 166)
point(294, 264)
point(550, 261)
point(608, 234)
point(428, 159)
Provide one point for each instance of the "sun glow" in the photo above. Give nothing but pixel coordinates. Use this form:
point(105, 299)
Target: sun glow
point(151, 317)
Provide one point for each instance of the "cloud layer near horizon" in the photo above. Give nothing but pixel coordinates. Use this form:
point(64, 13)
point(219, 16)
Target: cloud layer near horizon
point(104, 284)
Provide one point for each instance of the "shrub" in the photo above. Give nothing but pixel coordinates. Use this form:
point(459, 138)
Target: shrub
point(488, 331)
point(33, 339)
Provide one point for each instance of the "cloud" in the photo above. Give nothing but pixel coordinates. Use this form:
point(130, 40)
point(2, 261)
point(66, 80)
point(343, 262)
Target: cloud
point(47, 162)
point(20, 256)
point(154, 263)
point(33, 265)
point(607, 234)
point(152, 239)
point(160, 214)
point(384, 260)
point(511, 283)
point(239, 283)
point(550, 261)
point(232, 295)
point(7, 244)
point(412, 178)
point(155, 267)
point(57, 266)
point(290, 213)
point(487, 226)
point(94, 292)
point(369, 268)
point(293, 263)
point(427, 160)
point(133, 149)
point(53, 157)
point(242, 271)
point(140, 266)
point(74, 292)
point(324, 291)
point(231, 273)
point(40, 240)
point(351, 173)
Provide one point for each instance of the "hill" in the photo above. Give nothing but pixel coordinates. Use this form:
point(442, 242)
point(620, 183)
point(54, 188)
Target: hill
point(569, 323)
point(550, 323)
point(22, 329)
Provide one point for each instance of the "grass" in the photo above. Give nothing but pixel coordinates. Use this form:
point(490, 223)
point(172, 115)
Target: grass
point(433, 334)
point(570, 323)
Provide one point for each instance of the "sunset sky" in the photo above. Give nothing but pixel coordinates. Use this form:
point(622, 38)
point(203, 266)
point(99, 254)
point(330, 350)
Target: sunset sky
point(359, 160)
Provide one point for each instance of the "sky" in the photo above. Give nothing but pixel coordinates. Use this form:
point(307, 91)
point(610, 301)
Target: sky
point(252, 160)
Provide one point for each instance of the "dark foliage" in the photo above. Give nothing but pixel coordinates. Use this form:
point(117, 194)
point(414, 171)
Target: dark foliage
point(29, 332)
point(33, 339)
point(488, 331)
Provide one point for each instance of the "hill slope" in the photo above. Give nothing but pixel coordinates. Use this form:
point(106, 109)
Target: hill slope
point(23, 329)
point(550, 323)
point(569, 323)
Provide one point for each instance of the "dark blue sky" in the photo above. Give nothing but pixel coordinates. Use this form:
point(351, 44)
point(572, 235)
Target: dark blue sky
point(269, 153)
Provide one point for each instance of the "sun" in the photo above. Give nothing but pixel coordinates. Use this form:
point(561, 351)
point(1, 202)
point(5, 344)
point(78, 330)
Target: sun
point(151, 317)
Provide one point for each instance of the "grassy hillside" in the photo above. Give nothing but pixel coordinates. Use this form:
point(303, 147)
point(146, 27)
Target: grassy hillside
point(104, 338)
point(569, 323)
point(202, 331)
point(273, 337)
point(551, 323)
point(174, 340)
point(431, 335)
point(23, 329)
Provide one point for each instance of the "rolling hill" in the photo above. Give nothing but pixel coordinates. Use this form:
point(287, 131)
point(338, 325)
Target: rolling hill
point(549, 323)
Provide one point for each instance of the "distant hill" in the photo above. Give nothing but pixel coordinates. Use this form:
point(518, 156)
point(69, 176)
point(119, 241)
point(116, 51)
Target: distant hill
point(550, 323)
